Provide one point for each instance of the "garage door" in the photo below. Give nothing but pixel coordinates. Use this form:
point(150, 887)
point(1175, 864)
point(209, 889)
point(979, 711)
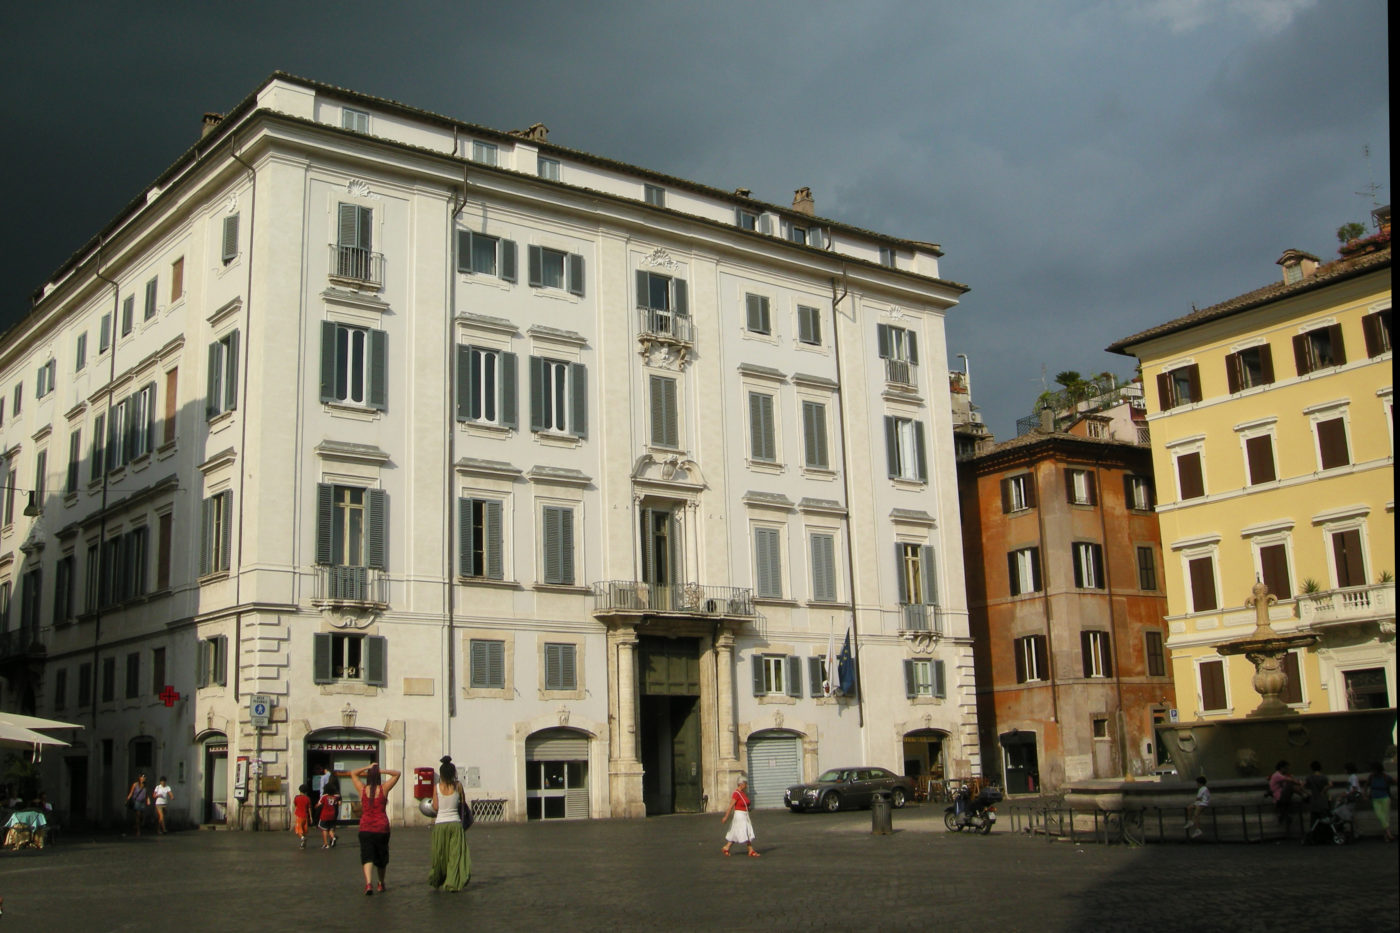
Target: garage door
point(775, 764)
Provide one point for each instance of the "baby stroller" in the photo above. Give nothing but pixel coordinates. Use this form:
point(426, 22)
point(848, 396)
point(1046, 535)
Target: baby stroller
point(1334, 826)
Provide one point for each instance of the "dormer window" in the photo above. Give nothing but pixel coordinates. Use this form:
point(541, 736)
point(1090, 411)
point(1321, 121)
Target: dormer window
point(1297, 265)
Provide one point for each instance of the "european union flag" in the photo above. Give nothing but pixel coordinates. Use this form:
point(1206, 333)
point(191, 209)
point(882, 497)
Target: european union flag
point(846, 668)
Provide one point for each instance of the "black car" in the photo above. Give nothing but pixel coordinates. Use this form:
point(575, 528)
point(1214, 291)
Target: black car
point(848, 788)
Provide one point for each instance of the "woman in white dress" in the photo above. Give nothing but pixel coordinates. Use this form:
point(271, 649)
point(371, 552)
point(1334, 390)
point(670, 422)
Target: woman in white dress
point(741, 829)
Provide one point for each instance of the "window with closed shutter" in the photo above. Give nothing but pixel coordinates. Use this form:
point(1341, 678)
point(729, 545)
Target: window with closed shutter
point(487, 662)
point(1292, 693)
point(1201, 571)
point(1190, 478)
point(814, 435)
point(823, 548)
point(1347, 558)
point(768, 563)
point(1332, 449)
point(558, 545)
point(1212, 682)
point(1273, 570)
point(763, 443)
point(757, 320)
point(1259, 450)
point(665, 429)
point(228, 244)
point(1147, 568)
point(560, 667)
point(809, 326)
point(1155, 654)
point(1376, 328)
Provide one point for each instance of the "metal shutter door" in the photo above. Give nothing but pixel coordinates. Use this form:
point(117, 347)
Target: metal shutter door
point(557, 745)
point(775, 764)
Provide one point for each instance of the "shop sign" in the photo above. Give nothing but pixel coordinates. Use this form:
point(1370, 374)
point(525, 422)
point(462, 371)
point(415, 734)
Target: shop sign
point(342, 746)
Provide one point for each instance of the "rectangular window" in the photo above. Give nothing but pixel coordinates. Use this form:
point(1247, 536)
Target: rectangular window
point(887, 256)
point(354, 243)
point(60, 688)
point(1032, 662)
point(1190, 478)
point(1248, 368)
point(349, 658)
point(916, 578)
point(1095, 650)
point(488, 664)
point(92, 578)
point(1212, 683)
point(904, 449)
point(1079, 487)
point(80, 353)
point(351, 527)
point(151, 292)
point(1292, 693)
point(19, 398)
point(45, 378)
point(1259, 452)
point(924, 677)
point(354, 120)
point(809, 326)
point(216, 533)
point(558, 545)
point(777, 675)
point(654, 195)
point(75, 458)
point(558, 397)
point(128, 314)
point(1273, 570)
point(480, 254)
point(768, 563)
point(99, 450)
point(665, 430)
point(1138, 492)
point(31, 597)
point(1318, 349)
point(486, 386)
point(11, 478)
point(354, 366)
point(63, 590)
point(1201, 571)
point(228, 242)
point(548, 168)
point(172, 403)
point(485, 153)
point(157, 671)
point(41, 471)
point(104, 333)
point(763, 440)
point(560, 667)
point(756, 317)
point(745, 220)
point(141, 423)
point(222, 394)
point(1332, 449)
point(177, 279)
point(479, 522)
point(1366, 688)
point(814, 435)
point(109, 679)
point(133, 675)
point(164, 548)
point(657, 292)
point(1088, 565)
point(84, 683)
point(899, 348)
point(823, 548)
point(117, 447)
point(1017, 493)
point(1155, 654)
point(1347, 559)
point(1376, 328)
point(1180, 386)
point(552, 268)
point(1147, 568)
point(1023, 566)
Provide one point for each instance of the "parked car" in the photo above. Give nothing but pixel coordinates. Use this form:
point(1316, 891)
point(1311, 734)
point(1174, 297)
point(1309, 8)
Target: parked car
point(847, 789)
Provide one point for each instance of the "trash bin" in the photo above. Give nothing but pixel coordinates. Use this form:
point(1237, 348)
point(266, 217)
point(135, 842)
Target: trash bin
point(880, 811)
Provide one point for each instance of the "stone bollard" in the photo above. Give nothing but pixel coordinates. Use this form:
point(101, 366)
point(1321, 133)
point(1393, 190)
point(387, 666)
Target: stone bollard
point(880, 810)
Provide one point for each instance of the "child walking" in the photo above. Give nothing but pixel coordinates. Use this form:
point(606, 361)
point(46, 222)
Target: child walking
point(330, 807)
point(301, 813)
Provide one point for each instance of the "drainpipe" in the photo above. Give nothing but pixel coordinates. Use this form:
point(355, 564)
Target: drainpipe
point(846, 484)
point(1121, 721)
point(102, 520)
point(454, 211)
point(1049, 609)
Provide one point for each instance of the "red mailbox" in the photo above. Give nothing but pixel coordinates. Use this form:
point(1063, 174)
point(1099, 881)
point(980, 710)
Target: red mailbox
point(423, 783)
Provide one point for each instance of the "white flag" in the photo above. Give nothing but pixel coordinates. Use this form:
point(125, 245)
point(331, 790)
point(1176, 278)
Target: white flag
point(829, 683)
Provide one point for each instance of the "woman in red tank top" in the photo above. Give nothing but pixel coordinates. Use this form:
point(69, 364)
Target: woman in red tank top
point(374, 819)
point(741, 830)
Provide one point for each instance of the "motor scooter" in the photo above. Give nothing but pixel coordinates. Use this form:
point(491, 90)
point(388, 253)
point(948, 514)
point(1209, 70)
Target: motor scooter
point(975, 814)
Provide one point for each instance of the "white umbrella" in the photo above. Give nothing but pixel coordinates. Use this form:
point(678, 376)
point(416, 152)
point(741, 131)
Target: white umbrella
point(14, 735)
point(35, 722)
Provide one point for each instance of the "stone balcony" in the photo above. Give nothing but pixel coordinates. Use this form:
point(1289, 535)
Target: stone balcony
point(1348, 606)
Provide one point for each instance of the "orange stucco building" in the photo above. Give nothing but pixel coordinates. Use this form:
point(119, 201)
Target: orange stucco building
point(1066, 600)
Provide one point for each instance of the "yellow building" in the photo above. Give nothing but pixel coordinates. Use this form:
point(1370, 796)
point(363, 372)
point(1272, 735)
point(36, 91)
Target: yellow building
point(1273, 447)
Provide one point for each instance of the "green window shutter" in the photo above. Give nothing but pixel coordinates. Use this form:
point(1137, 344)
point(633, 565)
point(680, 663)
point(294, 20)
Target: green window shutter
point(99, 450)
point(578, 398)
point(891, 446)
point(231, 374)
point(466, 382)
point(814, 676)
point(553, 519)
point(910, 682)
point(206, 537)
point(327, 361)
point(814, 434)
point(536, 256)
point(940, 683)
point(213, 391)
point(537, 399)
point(899, 576)
point(495, 550)
point(768, 562)
point(230, 239)
point(882, 340)
point(378, 394)
point(348, 228)
point(464, 251)
point(754, 313)
point(576, 274)
point(325, 522)
point(678, 298)
point(509, 416)
point(507, 265)
point(552, 664)
point(226, 527)
point(756, 662)
point(480, 664)
point(920, 452)
point(365, 217)
point(466, 537)
point(321, 657)
point(824, 568)
point(377, 530)
point(201, 668)
point(664, 429)
point(913, 347)
point(643, 288)
point(792, 674)
point(376, 661)
point(930, 575)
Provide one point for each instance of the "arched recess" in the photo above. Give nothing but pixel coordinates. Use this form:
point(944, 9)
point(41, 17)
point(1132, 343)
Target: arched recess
point(557, 774)
point(926, 757)
point(774, 763)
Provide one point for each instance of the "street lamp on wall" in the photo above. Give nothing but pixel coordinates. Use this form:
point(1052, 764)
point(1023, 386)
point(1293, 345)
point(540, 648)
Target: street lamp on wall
point(31, 507)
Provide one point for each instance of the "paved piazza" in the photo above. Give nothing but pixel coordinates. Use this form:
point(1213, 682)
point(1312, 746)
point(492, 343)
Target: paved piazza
point(818, 872)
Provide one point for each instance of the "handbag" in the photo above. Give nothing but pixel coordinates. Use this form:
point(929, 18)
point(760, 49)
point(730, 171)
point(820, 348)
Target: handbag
point(463, 809)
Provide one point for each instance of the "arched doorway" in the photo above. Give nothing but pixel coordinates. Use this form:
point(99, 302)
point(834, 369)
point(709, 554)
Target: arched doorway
point(775, 764)
point(340, 750)
point(926, 757)
point(1020, 761)
point(216, 778)
point(556, 775)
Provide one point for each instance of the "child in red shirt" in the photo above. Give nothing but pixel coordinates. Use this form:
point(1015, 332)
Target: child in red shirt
point(330, 810)
point(301, 813)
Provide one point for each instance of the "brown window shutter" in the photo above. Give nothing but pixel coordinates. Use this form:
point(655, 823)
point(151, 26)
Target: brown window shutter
point(1300, 354)
point(1005, 496)
point(1012, 578)
point(1371, 330)
point(1293, 689)
point(1069, 484)
point(1203, 585)
point(1266, 365)
point(1339, 350)
point(1332, 443)
point(1346, 551)
point(1273, 565)
point(1232, 372)
point(1193, 381)
point(1042, 662)
point(1164, 392)
point(1189, 478)
point(1093, 489)
point(1212, 685)
point(1260, 450)
point(1019, 646)
point(1084, 651)
point(1030, 491)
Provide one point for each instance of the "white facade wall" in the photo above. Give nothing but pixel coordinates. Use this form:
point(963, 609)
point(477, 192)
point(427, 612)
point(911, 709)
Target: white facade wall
point(280, 441)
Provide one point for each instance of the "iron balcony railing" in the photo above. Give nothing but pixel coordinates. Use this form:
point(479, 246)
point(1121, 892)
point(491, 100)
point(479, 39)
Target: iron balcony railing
point(362, 585)
point(357, 265)
point(665, 325)
point(20, 642)
point(917, 617)
point(686, 599)
point(901, 372)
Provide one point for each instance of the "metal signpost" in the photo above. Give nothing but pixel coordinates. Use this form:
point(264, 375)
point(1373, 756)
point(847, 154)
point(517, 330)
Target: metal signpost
point(259, 715)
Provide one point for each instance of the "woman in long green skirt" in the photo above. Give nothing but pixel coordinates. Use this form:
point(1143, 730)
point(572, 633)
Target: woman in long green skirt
point(451, 858)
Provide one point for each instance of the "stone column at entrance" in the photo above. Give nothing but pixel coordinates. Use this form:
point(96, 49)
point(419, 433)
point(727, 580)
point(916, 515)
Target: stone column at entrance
point(728, 766)
point(624, 768)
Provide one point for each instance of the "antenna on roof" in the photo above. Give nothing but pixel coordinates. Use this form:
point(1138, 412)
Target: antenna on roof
point(1370, 189)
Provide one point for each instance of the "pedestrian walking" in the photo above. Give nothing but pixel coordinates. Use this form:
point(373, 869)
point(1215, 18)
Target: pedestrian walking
point(451, 866)
point(741, 829)
point(163, 796)
point(327, 809)
point(1379, 784)
point(1282, 786)
point(374, 819)
point(1319, 805)
point(301, 813)
point(137, 797)
point(1193, 824)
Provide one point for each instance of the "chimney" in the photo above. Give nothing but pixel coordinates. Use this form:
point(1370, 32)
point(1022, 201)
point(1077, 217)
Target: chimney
point(1047, 420)
point(802, 202)
point(537, 132)
point(211, 123)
